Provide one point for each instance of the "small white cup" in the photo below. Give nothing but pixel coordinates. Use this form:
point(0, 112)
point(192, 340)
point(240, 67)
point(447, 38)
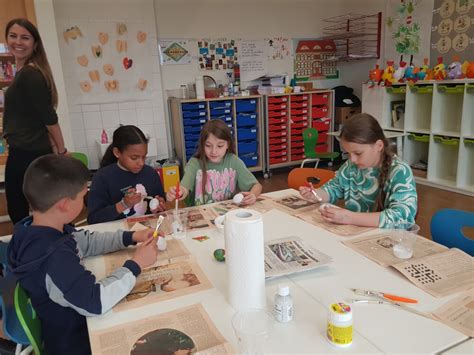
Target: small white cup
point(404, 242)
point(252, 328)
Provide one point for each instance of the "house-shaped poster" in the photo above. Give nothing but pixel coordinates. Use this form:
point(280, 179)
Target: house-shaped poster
point(315, 59)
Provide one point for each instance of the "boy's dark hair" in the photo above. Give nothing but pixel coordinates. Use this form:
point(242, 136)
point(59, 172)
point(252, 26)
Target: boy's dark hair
point(123, 137)
point(52, 177)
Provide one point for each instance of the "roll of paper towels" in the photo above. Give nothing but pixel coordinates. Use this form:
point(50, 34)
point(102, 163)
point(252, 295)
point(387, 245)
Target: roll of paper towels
point(199, 87)
point(244, 258)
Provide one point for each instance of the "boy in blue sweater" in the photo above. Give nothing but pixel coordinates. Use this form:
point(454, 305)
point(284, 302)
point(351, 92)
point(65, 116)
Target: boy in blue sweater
point(45, 255)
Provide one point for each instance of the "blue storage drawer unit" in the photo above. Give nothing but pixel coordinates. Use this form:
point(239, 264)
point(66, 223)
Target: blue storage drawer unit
point(247, 147)
point(221, 111)
point(193, 114)
point(247, 133)
point(246, 119)
point(191, 144)
point(194, 137)
point(197, 121)
point(192, 129)
point(246, 105)
point(250, 159)
point(220, 104)
point(225, 118)
point(193, 106)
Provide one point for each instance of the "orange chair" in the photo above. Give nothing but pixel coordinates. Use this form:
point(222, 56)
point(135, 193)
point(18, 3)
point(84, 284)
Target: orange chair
point(300, 176)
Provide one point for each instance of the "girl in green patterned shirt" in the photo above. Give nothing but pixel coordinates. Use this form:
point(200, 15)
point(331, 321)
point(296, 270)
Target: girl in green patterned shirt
point(371, 164)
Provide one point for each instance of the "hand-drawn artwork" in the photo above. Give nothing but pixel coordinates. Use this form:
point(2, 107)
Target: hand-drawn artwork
point(121, 46)
point(460, 42)
point(315, 59)
point(462, 23)
point(141, 36)
point(445, 27)
point(443, 45)
point(85, 86)
point(405, 30)
point(164, 341)
point(174, 51)
point(72, 33)
point(96, 51)
point(111, 85)
point(94, 76)
point(103, 38)
point(447, 8)
point(121, 28)
point(82, 60)
point(142, 84)
point(279, 48)
point(127, 63)
point(108, 69)
point(464, 6)
point(217, 54)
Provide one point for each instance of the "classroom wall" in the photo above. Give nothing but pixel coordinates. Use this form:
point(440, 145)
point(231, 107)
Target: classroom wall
point(256, 19)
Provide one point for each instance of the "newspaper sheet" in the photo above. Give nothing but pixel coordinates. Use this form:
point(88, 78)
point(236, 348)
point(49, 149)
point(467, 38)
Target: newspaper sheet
point(293, 204)
point(187, 330)
point(289, 255)
point(262, 205)
point(440, 274)
point(379, 248)
point(164, 282)
point(458, 314)
point(175, 251)
point(314, 217)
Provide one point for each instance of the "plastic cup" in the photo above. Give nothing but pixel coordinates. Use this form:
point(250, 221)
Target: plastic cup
point(252, 328)
point(179, 224)
point(404, 243)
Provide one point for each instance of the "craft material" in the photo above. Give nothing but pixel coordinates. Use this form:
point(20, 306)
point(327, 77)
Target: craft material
point(238, 198)
point(201, 238)
point(161, 243)
point(158, 224)
point(313, 191)
point(179, 225)
point(154, 204)
point(219, 255)
point(283, 306)
point(327, 205)
point(245, 259)
point(383, 295)
point(402, 252)
point(339, 325)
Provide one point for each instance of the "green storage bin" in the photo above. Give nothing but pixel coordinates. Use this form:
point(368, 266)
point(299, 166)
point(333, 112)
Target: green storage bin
point(428, 89)
point(423, 138)
point(469, 142)
point(447, 140)
point(470, 88)
point(456, 89)
point(396, 89)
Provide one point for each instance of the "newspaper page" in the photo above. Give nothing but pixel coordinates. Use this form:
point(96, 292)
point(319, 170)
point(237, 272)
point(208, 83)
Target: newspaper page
point(149, 221)
point(293, 204)
point(164, 282)
point(440, 274)
point(458, 314)
point(175, 251)
point(290, 255)
point(379, 248)
point(186, 330)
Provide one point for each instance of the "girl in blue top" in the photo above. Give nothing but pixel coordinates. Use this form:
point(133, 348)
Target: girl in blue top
point(371, 165)
point(123, 181)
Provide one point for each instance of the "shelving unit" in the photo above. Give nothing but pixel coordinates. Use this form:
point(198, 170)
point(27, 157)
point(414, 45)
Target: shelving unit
point(4, 83)
point(287, 116)
point(438, 128)
point(241, 114)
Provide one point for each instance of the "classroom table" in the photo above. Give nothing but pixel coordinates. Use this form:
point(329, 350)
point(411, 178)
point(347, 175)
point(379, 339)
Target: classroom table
point(377, 328)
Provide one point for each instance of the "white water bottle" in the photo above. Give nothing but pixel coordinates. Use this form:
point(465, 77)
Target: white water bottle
point(283, 304)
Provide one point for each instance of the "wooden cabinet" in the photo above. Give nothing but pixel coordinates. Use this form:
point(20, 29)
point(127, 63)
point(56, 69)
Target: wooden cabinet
point(11, 9)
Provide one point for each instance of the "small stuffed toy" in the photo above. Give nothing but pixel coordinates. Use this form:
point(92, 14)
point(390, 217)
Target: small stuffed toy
point(399, 74)
point(454, 69)
point(439, 71)
point(387, 76)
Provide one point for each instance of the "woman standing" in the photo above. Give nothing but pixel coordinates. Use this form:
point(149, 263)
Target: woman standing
point(30, 121)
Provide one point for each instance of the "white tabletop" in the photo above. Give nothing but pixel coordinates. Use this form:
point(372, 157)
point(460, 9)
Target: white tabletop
point(377, 328)
point(466, 347)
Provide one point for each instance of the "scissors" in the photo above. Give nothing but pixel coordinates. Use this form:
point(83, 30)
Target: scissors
point(383, 296)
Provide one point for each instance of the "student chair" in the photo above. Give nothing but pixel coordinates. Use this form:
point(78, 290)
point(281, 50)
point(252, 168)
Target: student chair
point(82, 157)
point(301, 176)
point(446, 228)
point(28, 319)
point(310, 139)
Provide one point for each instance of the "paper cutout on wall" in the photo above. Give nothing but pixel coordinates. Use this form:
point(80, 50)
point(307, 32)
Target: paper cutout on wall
point(174, 51)
point(278, 48)
point(96, 51)
point(121, 46)
point(85, 86)
point(82, 60)
point(103, 38)
point(141, 36)
point(217, 54)
point(121, 28)
point(72, 33)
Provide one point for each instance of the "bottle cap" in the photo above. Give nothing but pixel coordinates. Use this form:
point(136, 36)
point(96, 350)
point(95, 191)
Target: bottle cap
point(340, 312)
point(283, 290)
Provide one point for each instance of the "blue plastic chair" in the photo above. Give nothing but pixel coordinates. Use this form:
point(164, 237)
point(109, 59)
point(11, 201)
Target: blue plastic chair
point(446, 229)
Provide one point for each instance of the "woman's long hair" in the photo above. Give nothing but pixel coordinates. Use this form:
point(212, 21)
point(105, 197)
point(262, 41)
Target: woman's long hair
point(365, 129)
point(38, 58)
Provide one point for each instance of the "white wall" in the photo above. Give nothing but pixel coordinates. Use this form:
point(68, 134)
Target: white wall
point(256, 19)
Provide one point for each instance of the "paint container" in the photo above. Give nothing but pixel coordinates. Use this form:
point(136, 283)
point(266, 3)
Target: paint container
point(339, 327)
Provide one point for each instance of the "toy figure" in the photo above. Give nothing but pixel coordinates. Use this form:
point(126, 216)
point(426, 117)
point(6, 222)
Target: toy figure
point(375, 76)
point(439, 70)
point(399, 74)
point(410, 73)
point(468, 69)
point(454, 69)
point(422, 73)
point(387, 76)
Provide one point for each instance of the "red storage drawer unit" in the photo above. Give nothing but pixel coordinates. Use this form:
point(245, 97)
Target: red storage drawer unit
point(296, 150)
point(277, 99)
point(301, 111)
point(297, 132)
point(300, 118)
point(322, 137)
point(283, 159)
point(275, 107)
point(277, 127)
point(322, 148)
point(278, 153)
point(320, 111)
point(322, 124)
point(297, 104)
point(279, 146)
point(297, 157)
point(320, 99)
point(299, 125)
point(297, 144)
point(298, 98)
point(277, 134)
point(276, 120)
point(276, 114)
point(277, 140)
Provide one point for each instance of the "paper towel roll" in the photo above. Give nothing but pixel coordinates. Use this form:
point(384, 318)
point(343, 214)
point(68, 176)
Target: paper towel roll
point(199, 87)
point(244, 258)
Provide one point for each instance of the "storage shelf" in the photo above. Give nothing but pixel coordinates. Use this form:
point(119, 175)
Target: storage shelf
point(418, 130)
point(447, 133)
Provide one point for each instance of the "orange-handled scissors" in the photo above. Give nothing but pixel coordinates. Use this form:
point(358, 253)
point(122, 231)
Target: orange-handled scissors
point(383, 295)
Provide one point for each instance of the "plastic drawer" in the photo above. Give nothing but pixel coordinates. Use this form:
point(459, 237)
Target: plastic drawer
point(276, 114)
point(320, 99)
point(296, 111)
point(247, 133)
point(424, 138)
point(191, 144)
point(296, 132)
point(300, 118)
point(276, 134)
point(278, 153)
point(399, 89)
point(322, 148)
point(247, 147)
point(191, 114)
point(192, 129)
point(191, 137)
point(277, 120)
point(276, 127)
point(321, 124)
point(277, 140)
point(278, 160)
point(299, 125)
point(320, 111)
point(246, 119)
point(220, 104)
point(188, 156)
point(194, 106)
point(221, 111)
point(279, 146)
point(248, 105)
point(302, 104)
point(299, 98)
point(277, 99)
point(249, 159)
point(322, 137)
point(198, 121)
point(224, 118)
point(446, 140)
point(297, 150)
point(190, 151)
point(295, 157)
point(275, 107)
point(297, 144)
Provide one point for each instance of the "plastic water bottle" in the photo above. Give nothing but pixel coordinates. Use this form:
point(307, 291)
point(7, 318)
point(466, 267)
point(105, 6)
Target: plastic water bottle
point(283, 304)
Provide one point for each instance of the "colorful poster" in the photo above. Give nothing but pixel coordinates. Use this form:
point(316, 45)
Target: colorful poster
point(217, 54)
point(278, 48)
point(452, 32)
point(315, 59)
point(174, 51)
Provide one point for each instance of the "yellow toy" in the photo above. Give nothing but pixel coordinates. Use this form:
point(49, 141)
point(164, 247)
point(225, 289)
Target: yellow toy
point(439, 71)
point(387, 76)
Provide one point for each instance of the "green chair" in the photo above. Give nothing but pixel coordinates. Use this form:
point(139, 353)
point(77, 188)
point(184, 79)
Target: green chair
point(28, 319)
point(310, 139)
point(82, 157)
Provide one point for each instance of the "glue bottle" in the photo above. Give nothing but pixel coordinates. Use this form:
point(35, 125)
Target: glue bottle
point(283, 304)
point(339, 325)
